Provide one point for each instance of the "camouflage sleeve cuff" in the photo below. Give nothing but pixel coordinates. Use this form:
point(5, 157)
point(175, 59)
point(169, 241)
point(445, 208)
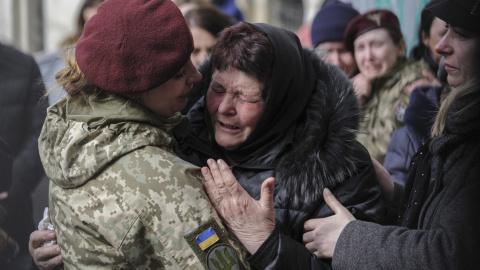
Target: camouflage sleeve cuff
point(267, 252)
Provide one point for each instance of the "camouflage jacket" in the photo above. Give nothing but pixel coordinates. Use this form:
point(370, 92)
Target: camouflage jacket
point(121, 199)
point(383, 110)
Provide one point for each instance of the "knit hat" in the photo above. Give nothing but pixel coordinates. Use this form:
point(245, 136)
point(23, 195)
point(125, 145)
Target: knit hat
point(331, 21)
point(134, 46)
point(460, 13)
point(379, 18)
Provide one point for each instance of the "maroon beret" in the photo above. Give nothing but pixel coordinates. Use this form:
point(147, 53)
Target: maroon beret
point(379, 18)
point(131, 46)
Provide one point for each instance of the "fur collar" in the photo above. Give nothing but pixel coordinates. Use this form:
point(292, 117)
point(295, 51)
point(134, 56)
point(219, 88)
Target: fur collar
point(321, 155)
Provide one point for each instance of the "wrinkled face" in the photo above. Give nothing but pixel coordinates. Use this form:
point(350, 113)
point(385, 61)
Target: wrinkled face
point(203, 43)
point(339, 56)
point(460, 49)
point(376, 53)
point(437, 30)
point(234, 102)
point(172, 96)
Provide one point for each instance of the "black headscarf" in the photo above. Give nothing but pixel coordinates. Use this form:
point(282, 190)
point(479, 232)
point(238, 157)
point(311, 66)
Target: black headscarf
point(292, 83)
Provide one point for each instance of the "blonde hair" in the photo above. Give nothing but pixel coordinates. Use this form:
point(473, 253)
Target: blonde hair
point(452, 95)
point(73, 81)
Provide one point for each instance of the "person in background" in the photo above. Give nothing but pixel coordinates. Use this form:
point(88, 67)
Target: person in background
point(439, 213)
point(119, 196)
point(418, 119)
point(205, 23)
point(381, 86)
point(8, 246)
point(327, 31)
point(22, 112)
point(51, 63)
point(430, 32)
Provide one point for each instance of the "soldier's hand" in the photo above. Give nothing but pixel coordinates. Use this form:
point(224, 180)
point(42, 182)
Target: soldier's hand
point(251, 221)
point(45, 257)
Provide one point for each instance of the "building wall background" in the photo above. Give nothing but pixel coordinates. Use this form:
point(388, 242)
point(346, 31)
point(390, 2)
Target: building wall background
point(40, 25)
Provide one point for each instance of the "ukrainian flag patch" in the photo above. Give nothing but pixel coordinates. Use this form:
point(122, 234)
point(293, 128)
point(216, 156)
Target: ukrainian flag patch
point(207, 238)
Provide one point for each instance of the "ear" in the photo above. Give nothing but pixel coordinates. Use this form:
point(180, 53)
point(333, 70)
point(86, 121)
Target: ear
point(401, 48)
point(425, 39)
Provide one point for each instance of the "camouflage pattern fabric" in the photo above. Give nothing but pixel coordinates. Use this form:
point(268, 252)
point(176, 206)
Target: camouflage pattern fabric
point(382, 108)
point(119, 197)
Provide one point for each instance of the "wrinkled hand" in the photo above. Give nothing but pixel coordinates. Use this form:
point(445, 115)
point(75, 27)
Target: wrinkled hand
point(44, 257)
point(363, 87)
point(384, 181)
point(428, 80)
point(251, 221)
point(322, 233)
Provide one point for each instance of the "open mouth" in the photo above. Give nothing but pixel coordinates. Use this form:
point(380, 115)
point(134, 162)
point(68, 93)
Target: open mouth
point(228, 126)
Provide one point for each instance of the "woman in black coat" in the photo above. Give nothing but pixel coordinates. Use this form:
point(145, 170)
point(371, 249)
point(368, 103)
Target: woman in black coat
point(304, 133)
point(439, 216)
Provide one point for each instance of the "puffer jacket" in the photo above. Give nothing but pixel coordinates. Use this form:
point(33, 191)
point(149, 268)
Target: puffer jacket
point(322, 153)
point(119, 197)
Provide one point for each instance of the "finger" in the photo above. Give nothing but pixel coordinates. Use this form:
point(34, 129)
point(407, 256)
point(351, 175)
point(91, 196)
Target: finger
point(308, 237)
point(38, 237)
point(311, 224)
point(210, 187)
point(266, 194)
point(332, 202)
point(231, 184)
point(217, 177)
point(51, 263)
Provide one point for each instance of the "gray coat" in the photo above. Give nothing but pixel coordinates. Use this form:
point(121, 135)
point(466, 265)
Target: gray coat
point(439, 217)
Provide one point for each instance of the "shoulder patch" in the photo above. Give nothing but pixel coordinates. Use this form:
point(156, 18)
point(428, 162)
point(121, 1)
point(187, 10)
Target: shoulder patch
point(210, 244)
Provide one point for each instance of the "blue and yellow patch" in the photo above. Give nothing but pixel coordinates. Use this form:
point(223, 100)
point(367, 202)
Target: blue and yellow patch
point(207, 238)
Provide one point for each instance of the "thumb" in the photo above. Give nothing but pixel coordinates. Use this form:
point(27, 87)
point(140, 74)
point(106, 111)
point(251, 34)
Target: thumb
point(266, 193)
point(332, 202)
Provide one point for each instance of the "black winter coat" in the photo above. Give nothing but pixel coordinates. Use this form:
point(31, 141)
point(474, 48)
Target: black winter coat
point(323, 153)
point(22, 112)
point(439, 216)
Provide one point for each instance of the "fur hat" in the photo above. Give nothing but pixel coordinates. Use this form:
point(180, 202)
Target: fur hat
point(460, 13)
point(134, 46)
point(331, 21)
point(379, 18)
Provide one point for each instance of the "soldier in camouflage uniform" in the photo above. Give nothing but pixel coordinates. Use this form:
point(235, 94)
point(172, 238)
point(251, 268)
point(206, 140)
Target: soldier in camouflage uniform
point(119, 196)
point(384, 76)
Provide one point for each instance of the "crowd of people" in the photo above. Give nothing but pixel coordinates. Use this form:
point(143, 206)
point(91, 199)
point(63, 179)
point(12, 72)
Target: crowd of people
point(179, 136)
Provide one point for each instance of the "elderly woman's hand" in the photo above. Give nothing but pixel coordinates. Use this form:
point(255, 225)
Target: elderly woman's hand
point(322, 233)
point(47, 257)
point(251, 221)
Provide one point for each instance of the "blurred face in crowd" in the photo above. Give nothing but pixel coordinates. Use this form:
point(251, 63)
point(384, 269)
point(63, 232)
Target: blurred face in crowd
point(203, 43)
point(172, 96)
point(437, 30)
point(88, 12)
point(460, 49)
point(376, 53)
point(338, 55)
point(234, 102)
